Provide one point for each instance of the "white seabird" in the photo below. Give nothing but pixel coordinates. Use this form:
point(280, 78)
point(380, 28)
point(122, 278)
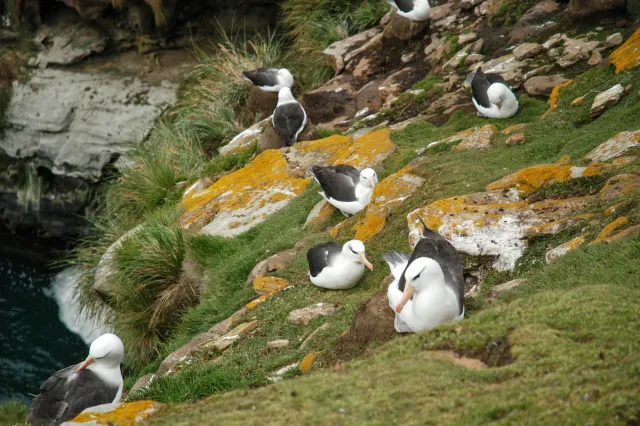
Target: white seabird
point(95, 381)
point(491, 95)
point(289, 118)
point(344, 187)
point(415, 10)
point(270, 79)
point(428, 287)
point(337, 267)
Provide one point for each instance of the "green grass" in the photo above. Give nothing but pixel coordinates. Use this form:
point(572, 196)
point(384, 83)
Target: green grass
point(13, 412)
point(427, 83)
point(569, 348)
point(509, 12)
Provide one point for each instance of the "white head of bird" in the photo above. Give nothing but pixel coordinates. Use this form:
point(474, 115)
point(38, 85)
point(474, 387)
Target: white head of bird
point(497, 94)
point(285, 77)
point(421, 273)
point(106, 351)
point(285, 95)
point(354, 250)
point(368, 178)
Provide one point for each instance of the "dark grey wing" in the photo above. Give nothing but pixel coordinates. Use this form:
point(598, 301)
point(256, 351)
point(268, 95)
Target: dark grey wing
point(320, 256)
point(496, 78)
point(436, 247)
point(287, 120)
point(66, 394)
point(404, 5)
point(337, 182)
point(262, 76)
point(479, 86)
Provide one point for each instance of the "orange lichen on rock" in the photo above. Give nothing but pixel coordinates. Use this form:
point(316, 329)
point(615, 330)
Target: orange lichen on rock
point(555, 96)
point(565, 248)
point(514, 128)
point(615, 146)
point(265, 285)
point(556, 226)
point(258, 300)
point(246, 196)
point(320, 213)
point(480, 138)
point(628, 55)
point(610, 211)
point(611, 228)
point(632, 231)
point(370, 226)
point(620, 185)
point(307, 361)
point(125, 414)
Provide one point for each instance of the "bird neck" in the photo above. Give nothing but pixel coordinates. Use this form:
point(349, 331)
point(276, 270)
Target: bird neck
point(107, 372)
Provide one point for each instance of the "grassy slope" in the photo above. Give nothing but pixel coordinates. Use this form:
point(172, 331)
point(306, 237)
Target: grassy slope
point(567, 131)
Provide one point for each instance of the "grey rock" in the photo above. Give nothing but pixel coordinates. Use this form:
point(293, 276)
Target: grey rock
point(543, 85)
point(305, 315)
point(613, 40)
point(68, 44)
point(527, 50)
point(606, 100)
point(278, 344)
point(336, 52)
point(501, 289)
point(74, 123)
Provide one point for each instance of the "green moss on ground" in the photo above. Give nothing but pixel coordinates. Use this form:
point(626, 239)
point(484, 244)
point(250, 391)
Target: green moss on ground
point(13, 412)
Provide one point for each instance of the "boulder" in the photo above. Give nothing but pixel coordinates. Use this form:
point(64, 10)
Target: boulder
point(619, 185)
point(503, 288)
point(611, 229)
point(404, 29)
point(626, 56)
point(543, 85)
point(278, 344)
point(613, 40)
point(142, 383)
point(369, 97)
point(68, 43)
point(515, 139)
point(595, 59)
point(442, 11)
point(260, 104)
point(334, 99)
point(273, 263)
point(240, 200)
point(265, 285)
point(564, 248)
point(527, 50)
point(269, 139)
point(615, 146)
point(320, 213)
point(590, 7)
point(337, 51)
point(123, 414)
point(305, 315)
point(243, 140)
point(435, 50)
point(606, 100)
point(576, 50)
point(535, 21)
point(466, 38)
point(404, 78)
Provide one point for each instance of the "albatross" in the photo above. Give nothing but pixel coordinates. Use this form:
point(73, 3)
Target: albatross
point(428, 287)
point(492, 96)
point(344, 187)
point(95, 381)
point(337, 267)
point(289, 118)
point(270, 79)
point(415, 10)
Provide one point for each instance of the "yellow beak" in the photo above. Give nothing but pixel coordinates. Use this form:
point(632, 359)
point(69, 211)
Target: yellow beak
point(499, 106)
point(372, 182)
point(87, 362)
point(408, 293)
point(365, 262)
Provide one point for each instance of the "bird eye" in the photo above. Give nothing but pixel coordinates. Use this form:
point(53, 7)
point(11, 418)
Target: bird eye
point(416, 277)
point(353, 250)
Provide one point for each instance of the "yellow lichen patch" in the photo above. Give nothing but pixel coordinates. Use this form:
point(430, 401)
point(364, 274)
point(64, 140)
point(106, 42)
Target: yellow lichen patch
point(255, 302)
point(533, 178)
point(565, 248)
point(615, 146)
point(125, 414)
point(611, 228)
point(335, 231)
point(243, 195)
point(632, 231)
point(321, 213)
point(514, 128)
point(628, 55)
point(307, 361)
point(610, 211)
point(370, 226)
point(620, 185)
point(577, 101)
point(557, 225)
point(265, 285)
point(555, 96)
point(365, 151)
point(565, 160)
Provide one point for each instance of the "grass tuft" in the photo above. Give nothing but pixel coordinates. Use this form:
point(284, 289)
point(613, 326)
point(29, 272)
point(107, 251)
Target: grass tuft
point(13, 412)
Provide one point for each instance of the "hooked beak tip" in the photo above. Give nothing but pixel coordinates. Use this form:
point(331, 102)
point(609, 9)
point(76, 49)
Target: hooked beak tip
point(366, 263)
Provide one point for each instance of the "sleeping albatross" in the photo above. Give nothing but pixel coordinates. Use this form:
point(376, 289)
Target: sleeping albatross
point(415, 10)
point(289, 118)
point(344, 187)
point(433, 276)
point(96, 381)
point(337, 268)
point(491, 95)
point(270, 79)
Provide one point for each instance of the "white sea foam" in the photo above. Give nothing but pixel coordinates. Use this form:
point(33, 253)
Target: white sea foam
point(71, 315)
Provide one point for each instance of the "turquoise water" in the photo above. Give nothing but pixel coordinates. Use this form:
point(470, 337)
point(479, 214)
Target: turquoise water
point(34, 343)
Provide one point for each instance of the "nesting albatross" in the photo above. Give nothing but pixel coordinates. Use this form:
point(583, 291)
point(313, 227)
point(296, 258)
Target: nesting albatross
point(95, 381)
point(492, 96)
point(270, 79)
point(433, 277)
point(337, 267)
point(289, 118)
point(415, 10)
point(344, 187)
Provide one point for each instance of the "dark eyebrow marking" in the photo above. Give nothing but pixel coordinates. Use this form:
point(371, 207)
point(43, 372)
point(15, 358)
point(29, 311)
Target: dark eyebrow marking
point(103, 356)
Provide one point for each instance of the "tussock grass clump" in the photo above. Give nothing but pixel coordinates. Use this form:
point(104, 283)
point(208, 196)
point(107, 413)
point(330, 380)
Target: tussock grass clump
point(13, 412)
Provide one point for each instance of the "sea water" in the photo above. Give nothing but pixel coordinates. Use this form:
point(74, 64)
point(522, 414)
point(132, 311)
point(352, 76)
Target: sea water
point(39, 322)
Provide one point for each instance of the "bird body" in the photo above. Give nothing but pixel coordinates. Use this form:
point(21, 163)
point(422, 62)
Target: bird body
point(337, 267)
point(428, 287)
point(491, 95)
point(270, 79)
point(95, 381)
point(415, 10)
point(344, 187)
point(289, 117)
